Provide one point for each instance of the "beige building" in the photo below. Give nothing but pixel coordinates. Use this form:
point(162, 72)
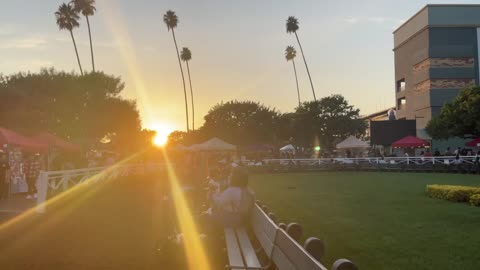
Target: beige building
point(436, 56)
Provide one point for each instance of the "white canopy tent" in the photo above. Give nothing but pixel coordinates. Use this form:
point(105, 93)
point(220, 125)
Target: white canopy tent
point(352, 143)
point(214, 144)
point(288, 149)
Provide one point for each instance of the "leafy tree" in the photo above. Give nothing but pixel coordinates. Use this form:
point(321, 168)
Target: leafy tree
point(171, 20)
point(87, 8)
point(241, 122)
point(177, 137)
point(82, 108)
point(186, 56)
point(67, 19)
point(327, 121)
point(290, 54)
point(292, 27)
point(459, 118)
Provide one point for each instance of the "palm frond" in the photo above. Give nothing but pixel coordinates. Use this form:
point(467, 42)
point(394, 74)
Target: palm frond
point(86, 7)
point(66, 17)
point(170, 19)
point(290, 53)
point(186, 54)
point(292, 24)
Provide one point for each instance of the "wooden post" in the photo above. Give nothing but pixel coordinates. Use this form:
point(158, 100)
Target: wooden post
point(272, 217)
point(42, 189)
point(315, 247)
point(344, 264)
point(295, 231)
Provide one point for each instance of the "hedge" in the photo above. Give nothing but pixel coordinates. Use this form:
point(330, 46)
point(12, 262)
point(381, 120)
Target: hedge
point(454, 193)
point(475, 200)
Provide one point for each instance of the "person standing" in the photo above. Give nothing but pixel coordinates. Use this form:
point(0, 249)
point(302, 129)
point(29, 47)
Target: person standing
point(457, 154)
point(32, 171)
point(4, 175)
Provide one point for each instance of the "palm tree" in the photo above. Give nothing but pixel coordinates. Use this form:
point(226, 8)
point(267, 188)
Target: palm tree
point(87, 8)
point(171, 20)
point(67, 19)
point(292, 27)
point(290, 54)
point(186, 56)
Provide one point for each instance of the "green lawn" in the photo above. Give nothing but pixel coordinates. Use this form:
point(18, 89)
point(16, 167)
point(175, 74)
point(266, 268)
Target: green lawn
point(378, 220)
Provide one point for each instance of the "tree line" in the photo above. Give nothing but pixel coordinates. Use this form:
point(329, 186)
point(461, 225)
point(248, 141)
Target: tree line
point(324, 123)
point(84, 109)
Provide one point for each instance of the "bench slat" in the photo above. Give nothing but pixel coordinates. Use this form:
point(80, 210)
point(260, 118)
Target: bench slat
point(233, 249)
point(295, 253)
point(248, 251)
point(281, 260)
point(264, 229)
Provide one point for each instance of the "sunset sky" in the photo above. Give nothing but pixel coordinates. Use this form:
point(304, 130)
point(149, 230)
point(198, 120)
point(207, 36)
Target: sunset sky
point(237, 49)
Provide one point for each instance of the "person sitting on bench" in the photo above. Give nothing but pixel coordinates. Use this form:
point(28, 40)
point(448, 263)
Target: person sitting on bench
point(230, 208)
point(233, 206)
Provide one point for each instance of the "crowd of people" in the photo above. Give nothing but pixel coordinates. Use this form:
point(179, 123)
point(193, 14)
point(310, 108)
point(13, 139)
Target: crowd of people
point(18, 172)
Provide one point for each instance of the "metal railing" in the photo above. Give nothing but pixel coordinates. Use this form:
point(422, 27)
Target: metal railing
point(369, 160)
point(51, 183)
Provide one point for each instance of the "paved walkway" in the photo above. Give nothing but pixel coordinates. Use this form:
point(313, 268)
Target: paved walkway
point(114, 225)
point(16, 203)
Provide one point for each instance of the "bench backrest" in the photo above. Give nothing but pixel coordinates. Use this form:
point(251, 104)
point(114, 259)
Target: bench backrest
point(282, 249)
point(264, 229)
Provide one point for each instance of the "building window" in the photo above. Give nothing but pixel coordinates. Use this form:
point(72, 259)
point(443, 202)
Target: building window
point(400, 85)
point(401, 103)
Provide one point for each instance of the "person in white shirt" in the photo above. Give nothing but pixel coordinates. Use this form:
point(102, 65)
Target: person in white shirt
point(232, 207)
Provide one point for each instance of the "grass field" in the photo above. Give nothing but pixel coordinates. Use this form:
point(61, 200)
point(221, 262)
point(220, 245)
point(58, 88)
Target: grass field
point(378, 220)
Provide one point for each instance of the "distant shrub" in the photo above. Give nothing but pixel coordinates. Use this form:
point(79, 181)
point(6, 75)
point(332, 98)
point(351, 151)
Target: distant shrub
point(475, 199)
point(452, 193)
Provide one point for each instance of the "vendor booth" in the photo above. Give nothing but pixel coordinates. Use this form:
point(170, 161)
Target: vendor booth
point(15, 145)
point(410, 145)
point(288, 151)
point(56, 142)
point(353, 147)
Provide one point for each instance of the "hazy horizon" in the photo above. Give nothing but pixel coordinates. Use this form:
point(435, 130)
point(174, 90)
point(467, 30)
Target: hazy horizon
point(237, 50)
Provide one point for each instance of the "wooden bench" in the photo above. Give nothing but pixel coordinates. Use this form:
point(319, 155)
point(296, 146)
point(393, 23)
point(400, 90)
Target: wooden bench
point(273, 246)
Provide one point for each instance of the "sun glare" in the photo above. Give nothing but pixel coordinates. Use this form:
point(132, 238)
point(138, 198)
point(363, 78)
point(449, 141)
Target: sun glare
point(162, 134)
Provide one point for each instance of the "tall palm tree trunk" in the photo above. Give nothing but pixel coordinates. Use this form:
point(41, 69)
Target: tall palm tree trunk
point(183, 79)
point(76, 52)
point(296, 80)
point(191, 94)
point(306, 66)
point(91, 47)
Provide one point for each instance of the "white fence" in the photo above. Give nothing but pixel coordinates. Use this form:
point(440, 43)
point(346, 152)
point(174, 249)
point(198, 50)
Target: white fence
point(372, 160)
point(54, 182)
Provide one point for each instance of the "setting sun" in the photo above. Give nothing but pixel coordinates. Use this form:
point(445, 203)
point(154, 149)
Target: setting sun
point(161, 137)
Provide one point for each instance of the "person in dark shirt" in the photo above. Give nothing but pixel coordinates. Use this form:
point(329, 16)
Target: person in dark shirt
point(4, 175)
point(32, 171)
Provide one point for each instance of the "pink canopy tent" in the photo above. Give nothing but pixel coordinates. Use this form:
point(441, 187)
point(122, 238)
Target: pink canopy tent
point(409, 142)
point(473, 143)
point(27, 144)
point(52, 140)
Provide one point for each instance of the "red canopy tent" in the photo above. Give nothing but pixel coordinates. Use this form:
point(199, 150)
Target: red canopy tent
point(25, 143)
point(473, 143)
point(52, 140)
point(410, 141)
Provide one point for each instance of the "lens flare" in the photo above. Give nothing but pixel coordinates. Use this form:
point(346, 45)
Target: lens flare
point(195, 251)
